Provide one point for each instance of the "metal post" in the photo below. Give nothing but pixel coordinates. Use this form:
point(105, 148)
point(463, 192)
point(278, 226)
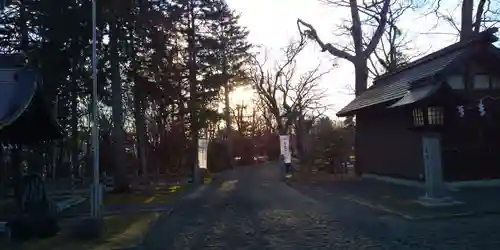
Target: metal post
point(196, 172)
point(96, 203)
point(281, 167)
point(55, 143)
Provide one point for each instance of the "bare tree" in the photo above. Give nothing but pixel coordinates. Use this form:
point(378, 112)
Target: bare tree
point(363, 16)
point(473, 19)
point(241, 119)
point(257, 123)
point(262, 111)
point(366, 28)
point(285, 93)
point(303, 137)
point(394, 48)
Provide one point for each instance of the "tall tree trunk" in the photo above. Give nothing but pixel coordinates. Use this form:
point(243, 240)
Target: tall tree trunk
point(479, 14)
point(300, 138)
point(15, 163)
point(229, 136)
point(140, 129)
point(23, 26)
point(193, 102)
point(181, 159)
point(16, 172)
point(3, 173)
point(466, 24)
point(120, 171)
point(54, 161)
point(361, 75)
point(227, 113)
point(75, 147)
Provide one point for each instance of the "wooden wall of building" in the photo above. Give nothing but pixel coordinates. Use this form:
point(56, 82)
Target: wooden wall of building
point(387, 146)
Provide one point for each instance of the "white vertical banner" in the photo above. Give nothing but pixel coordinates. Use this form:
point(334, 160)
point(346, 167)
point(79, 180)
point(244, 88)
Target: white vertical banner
point(281, 144)
point(285, 148)
point(202, 152)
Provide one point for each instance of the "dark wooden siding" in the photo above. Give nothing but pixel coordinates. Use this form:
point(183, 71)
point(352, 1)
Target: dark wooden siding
point(471, 144)
point(385, 145)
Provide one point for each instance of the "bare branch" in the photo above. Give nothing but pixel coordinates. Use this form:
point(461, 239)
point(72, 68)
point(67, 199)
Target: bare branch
point(479, 15)
point(311, 33)
point(484, 16)
point(365, 16)
point(284, 92)
point(373, 66)
point(379, 31)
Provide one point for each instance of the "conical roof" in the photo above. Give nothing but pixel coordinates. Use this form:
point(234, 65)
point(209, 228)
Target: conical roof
point(25, 117)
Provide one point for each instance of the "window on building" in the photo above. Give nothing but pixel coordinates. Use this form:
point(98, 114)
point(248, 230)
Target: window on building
point(418, 117)
point(456, 82)
point(481, 81)
point(435, 115)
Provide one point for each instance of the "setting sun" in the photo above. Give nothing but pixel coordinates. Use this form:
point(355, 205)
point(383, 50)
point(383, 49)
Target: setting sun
point(242, 95)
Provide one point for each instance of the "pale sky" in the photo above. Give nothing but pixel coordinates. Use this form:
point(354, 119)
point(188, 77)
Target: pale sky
point(273, 22)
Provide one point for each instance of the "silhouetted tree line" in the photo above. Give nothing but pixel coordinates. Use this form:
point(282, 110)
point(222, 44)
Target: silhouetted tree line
point(161, 68)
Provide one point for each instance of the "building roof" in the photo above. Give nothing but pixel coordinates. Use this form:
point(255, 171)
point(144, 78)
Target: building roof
point(24, 113)
point(416, 94)
point(395, 85)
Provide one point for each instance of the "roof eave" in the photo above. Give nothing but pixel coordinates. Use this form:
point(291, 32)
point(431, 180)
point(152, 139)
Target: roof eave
point(345, 114)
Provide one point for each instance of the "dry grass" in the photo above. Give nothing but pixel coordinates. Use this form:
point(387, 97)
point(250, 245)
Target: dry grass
point(130, 199)
point(156, 195)
point(121, 231)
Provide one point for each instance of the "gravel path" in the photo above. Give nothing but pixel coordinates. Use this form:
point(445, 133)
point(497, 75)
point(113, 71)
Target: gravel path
point(251, 209)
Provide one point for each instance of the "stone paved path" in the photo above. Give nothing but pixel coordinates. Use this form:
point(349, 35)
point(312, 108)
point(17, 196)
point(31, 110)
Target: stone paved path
point(251, 209)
